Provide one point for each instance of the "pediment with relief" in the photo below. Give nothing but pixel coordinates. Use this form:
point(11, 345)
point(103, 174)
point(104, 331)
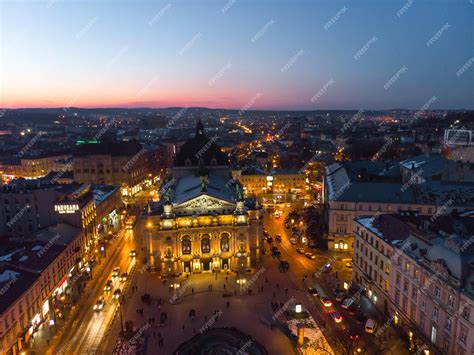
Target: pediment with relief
point(205, 203)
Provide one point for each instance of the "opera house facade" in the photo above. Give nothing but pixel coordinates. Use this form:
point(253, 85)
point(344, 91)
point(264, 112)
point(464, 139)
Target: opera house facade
point(202, 222)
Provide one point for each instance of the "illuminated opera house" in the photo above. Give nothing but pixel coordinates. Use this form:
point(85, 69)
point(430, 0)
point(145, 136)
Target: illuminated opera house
point(202, 222)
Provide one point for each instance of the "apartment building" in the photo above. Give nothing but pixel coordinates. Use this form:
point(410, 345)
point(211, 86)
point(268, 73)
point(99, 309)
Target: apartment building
point(25, 207)
point(419, 271)
point(357, 189)
point(115, 163)
point(34, 281)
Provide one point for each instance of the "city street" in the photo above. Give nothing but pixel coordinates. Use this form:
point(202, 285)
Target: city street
point(300, 265)
point(85, 329)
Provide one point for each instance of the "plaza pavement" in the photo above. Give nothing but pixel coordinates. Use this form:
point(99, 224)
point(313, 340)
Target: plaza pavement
point(252, 314)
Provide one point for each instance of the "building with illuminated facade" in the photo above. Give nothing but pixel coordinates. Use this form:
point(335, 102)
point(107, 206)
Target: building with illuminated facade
point(202, 222)
point(32, 167)
point(279, 182)
point(419, 270)
point(127, 164)
point(34, 279)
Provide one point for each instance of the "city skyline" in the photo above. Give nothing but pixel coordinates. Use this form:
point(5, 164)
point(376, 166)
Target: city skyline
point(236, 54)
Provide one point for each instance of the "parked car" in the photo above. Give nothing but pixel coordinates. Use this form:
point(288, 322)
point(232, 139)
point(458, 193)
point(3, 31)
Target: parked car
point(349, 265)
point(300, 250)
point(370, 326)
point(310, 256)
point(353, 308)
point(336, 316)
point(312, 291)
point(348, 302)
point(269, 239)
point(293, 241)
point(278, 238)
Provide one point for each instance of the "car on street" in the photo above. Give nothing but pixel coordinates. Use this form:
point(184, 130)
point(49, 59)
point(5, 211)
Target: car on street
point(99, 305)
point(269, 239)
point(310, 256)
point(116, 272)
point(370, 326)
point(278, 238)
point(117, 293)
point(336, 316)
point(108, 286)
point(312, 291)
point(349, 265)
point(300, 250)
point(352, 334)
point(133, 253)
point(326, 301)
point(348, 302)
point(293, 241)
point(353, 308)
point(123, 277)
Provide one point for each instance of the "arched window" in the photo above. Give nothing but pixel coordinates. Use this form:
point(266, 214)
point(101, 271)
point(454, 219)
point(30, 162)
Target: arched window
point(186, 246)
point(187, 162)
point(225, 242)
point(205, 244)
